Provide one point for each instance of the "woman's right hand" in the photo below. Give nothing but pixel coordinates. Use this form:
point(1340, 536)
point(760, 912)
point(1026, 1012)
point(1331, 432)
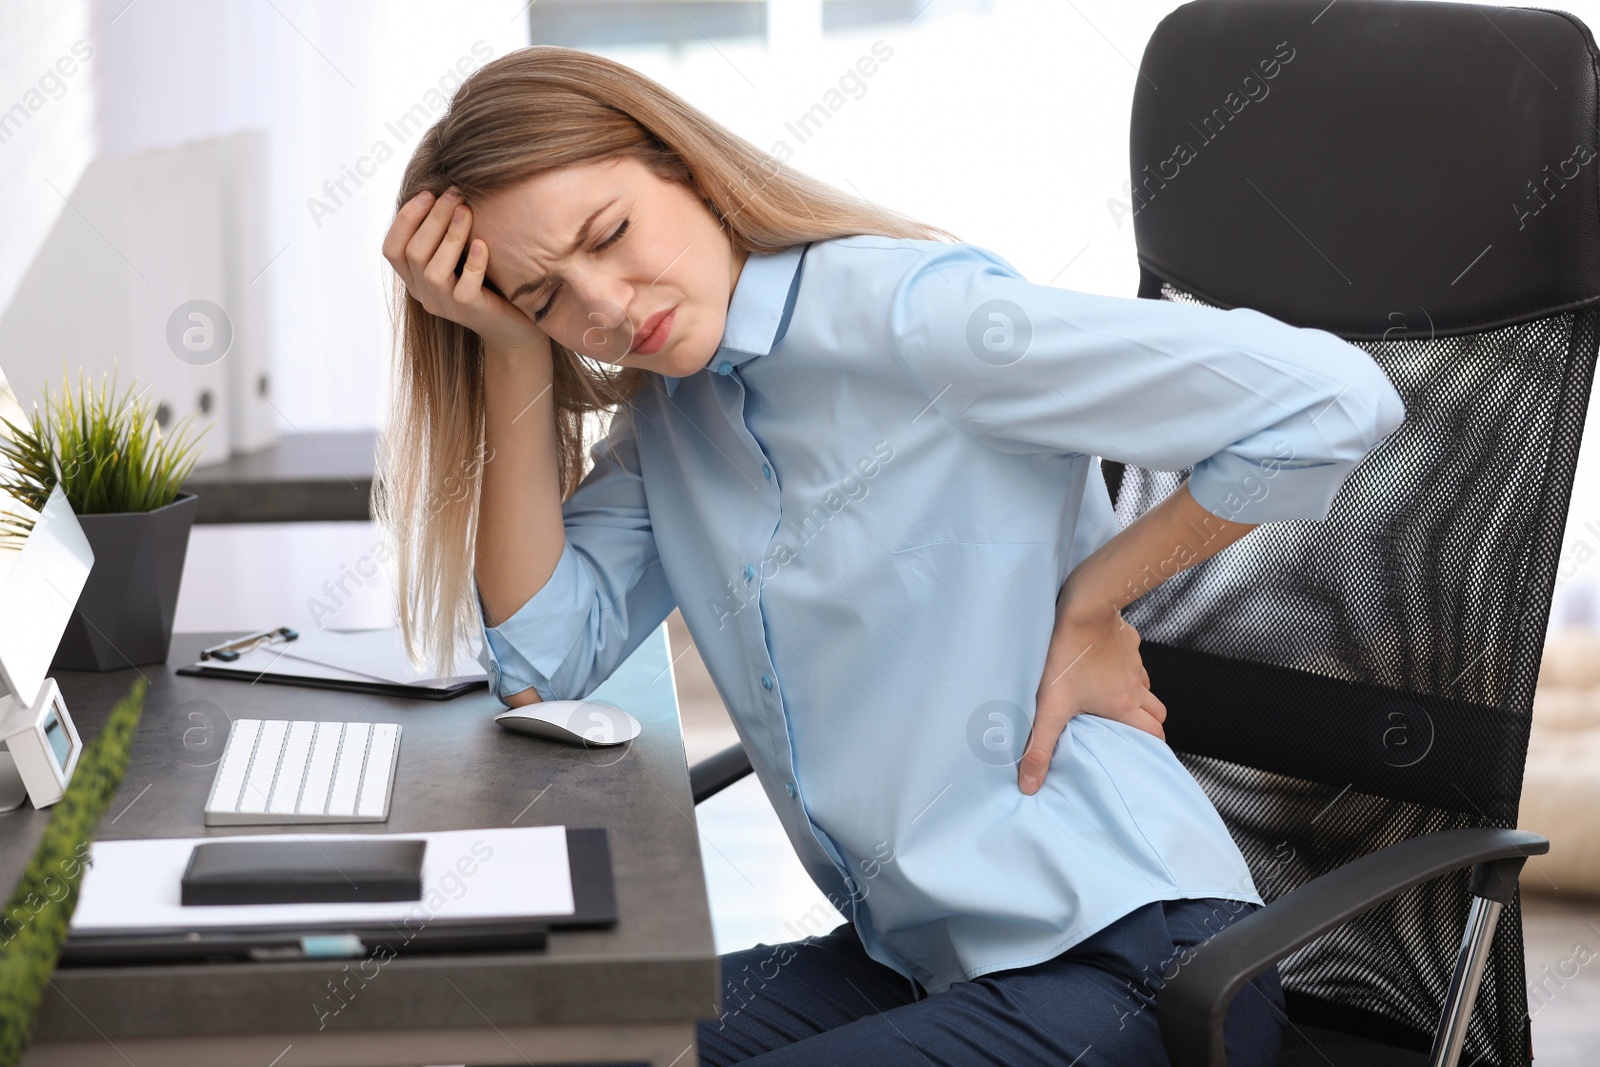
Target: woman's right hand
point(424, 245)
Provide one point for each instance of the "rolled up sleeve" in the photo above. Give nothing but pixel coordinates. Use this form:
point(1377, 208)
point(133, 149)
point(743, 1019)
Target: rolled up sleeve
point(605, 596)
point(1271, 417)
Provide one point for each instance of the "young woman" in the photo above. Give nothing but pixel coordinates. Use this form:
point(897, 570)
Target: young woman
point(858, 455)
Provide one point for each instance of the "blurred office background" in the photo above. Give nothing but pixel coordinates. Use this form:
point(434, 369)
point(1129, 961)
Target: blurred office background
point(246, 153)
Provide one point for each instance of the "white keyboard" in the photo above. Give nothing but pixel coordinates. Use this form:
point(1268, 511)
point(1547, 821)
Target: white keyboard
point(293, 771)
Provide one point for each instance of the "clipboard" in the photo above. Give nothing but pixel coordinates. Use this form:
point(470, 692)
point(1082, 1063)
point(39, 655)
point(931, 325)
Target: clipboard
point(369, 661)
point(349, 685)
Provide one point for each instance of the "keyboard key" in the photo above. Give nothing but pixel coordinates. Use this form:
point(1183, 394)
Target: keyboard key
point(292, 767)
point(235, 761)
point(347, 779)
point(324, 756)
point(375, 782)
point(264, 766)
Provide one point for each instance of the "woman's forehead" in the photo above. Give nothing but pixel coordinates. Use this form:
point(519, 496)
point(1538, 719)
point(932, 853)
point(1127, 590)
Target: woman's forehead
point(542, 217)
point(554, 202)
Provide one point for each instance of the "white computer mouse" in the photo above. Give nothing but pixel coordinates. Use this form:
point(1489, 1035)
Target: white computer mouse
point(578, 722)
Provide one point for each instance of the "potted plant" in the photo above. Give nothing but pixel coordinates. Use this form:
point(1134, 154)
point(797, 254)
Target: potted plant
point(123, 479)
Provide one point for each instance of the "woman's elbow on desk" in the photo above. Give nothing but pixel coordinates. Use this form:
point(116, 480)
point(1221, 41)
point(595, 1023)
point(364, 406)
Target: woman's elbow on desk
point(528, 696)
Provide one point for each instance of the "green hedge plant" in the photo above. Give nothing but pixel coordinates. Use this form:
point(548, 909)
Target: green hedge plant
point(34, 924)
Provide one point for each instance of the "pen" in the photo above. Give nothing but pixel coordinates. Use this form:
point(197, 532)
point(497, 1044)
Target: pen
point(310, 947)
point(229, 651)
point(200, 946)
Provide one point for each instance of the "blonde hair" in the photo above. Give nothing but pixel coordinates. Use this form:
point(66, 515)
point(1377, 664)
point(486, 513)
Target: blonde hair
point(528, 112)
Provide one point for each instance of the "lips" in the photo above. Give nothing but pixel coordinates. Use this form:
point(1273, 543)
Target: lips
point(652, 333)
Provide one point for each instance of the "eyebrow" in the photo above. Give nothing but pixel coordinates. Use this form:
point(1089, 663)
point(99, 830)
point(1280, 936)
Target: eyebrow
point(583, 235)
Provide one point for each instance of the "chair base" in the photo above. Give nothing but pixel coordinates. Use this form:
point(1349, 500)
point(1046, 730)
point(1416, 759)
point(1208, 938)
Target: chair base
point(1320, 1031)
point(1316, 1046)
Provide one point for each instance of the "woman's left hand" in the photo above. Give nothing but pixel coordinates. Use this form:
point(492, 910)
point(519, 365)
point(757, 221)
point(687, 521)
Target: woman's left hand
point(1093, 666)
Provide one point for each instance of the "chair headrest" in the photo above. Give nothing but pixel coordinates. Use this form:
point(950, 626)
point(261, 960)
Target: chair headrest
point(1380, 169)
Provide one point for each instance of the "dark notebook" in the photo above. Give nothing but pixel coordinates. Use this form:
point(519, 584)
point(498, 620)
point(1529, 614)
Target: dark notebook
point(302, 872)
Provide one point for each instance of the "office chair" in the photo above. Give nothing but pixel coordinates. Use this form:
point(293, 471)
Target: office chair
point(1355, 694)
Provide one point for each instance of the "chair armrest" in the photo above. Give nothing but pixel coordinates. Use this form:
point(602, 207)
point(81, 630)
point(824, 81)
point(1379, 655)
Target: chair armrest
point(715, 773)
point(1192, 1005)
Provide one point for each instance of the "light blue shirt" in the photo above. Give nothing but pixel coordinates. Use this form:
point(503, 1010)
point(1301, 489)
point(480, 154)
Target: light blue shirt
point(865, 507)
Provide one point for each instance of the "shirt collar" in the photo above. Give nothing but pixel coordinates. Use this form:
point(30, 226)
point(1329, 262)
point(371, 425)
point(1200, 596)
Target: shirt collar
point(756, 310)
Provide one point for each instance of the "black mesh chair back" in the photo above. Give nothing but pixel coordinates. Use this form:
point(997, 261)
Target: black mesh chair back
point(1419, 179)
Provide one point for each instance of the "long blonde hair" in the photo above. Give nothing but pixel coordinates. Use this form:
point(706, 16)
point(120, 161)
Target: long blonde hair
point(528, 112)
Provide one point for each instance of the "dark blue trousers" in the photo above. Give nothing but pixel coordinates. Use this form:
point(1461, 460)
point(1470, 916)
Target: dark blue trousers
point(823, 1001)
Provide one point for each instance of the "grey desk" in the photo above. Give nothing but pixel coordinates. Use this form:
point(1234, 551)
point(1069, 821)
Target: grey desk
point(314, 477)
point(630, 993)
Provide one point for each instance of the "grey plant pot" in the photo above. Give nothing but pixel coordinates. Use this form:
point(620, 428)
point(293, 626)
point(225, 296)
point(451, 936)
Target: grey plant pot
point(124, 616)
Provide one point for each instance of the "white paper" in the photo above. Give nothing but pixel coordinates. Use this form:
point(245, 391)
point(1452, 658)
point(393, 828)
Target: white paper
point(502, 873)
point(362, 656)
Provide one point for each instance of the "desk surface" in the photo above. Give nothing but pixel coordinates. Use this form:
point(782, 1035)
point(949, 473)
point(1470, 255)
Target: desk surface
point(457, 770)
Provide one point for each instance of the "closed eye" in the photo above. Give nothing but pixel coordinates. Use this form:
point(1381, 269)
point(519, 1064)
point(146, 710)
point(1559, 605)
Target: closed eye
point(616, 235)
point(614, 238)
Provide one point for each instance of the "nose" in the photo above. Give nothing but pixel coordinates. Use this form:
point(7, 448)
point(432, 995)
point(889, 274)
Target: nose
point(601, 324)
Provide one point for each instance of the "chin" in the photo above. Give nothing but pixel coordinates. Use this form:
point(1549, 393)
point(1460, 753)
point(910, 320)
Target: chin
point(678, 360)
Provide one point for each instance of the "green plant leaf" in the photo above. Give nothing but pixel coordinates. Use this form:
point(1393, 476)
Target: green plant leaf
point(104, 448)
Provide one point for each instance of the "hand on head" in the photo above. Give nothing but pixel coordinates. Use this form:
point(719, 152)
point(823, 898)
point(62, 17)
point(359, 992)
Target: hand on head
point(425, 244)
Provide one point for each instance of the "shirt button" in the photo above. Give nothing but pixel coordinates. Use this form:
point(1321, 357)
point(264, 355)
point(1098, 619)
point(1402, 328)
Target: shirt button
point(749, 572)
point(766, 682)
point(766, 472)
point(724, 367)
point(788, 787)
